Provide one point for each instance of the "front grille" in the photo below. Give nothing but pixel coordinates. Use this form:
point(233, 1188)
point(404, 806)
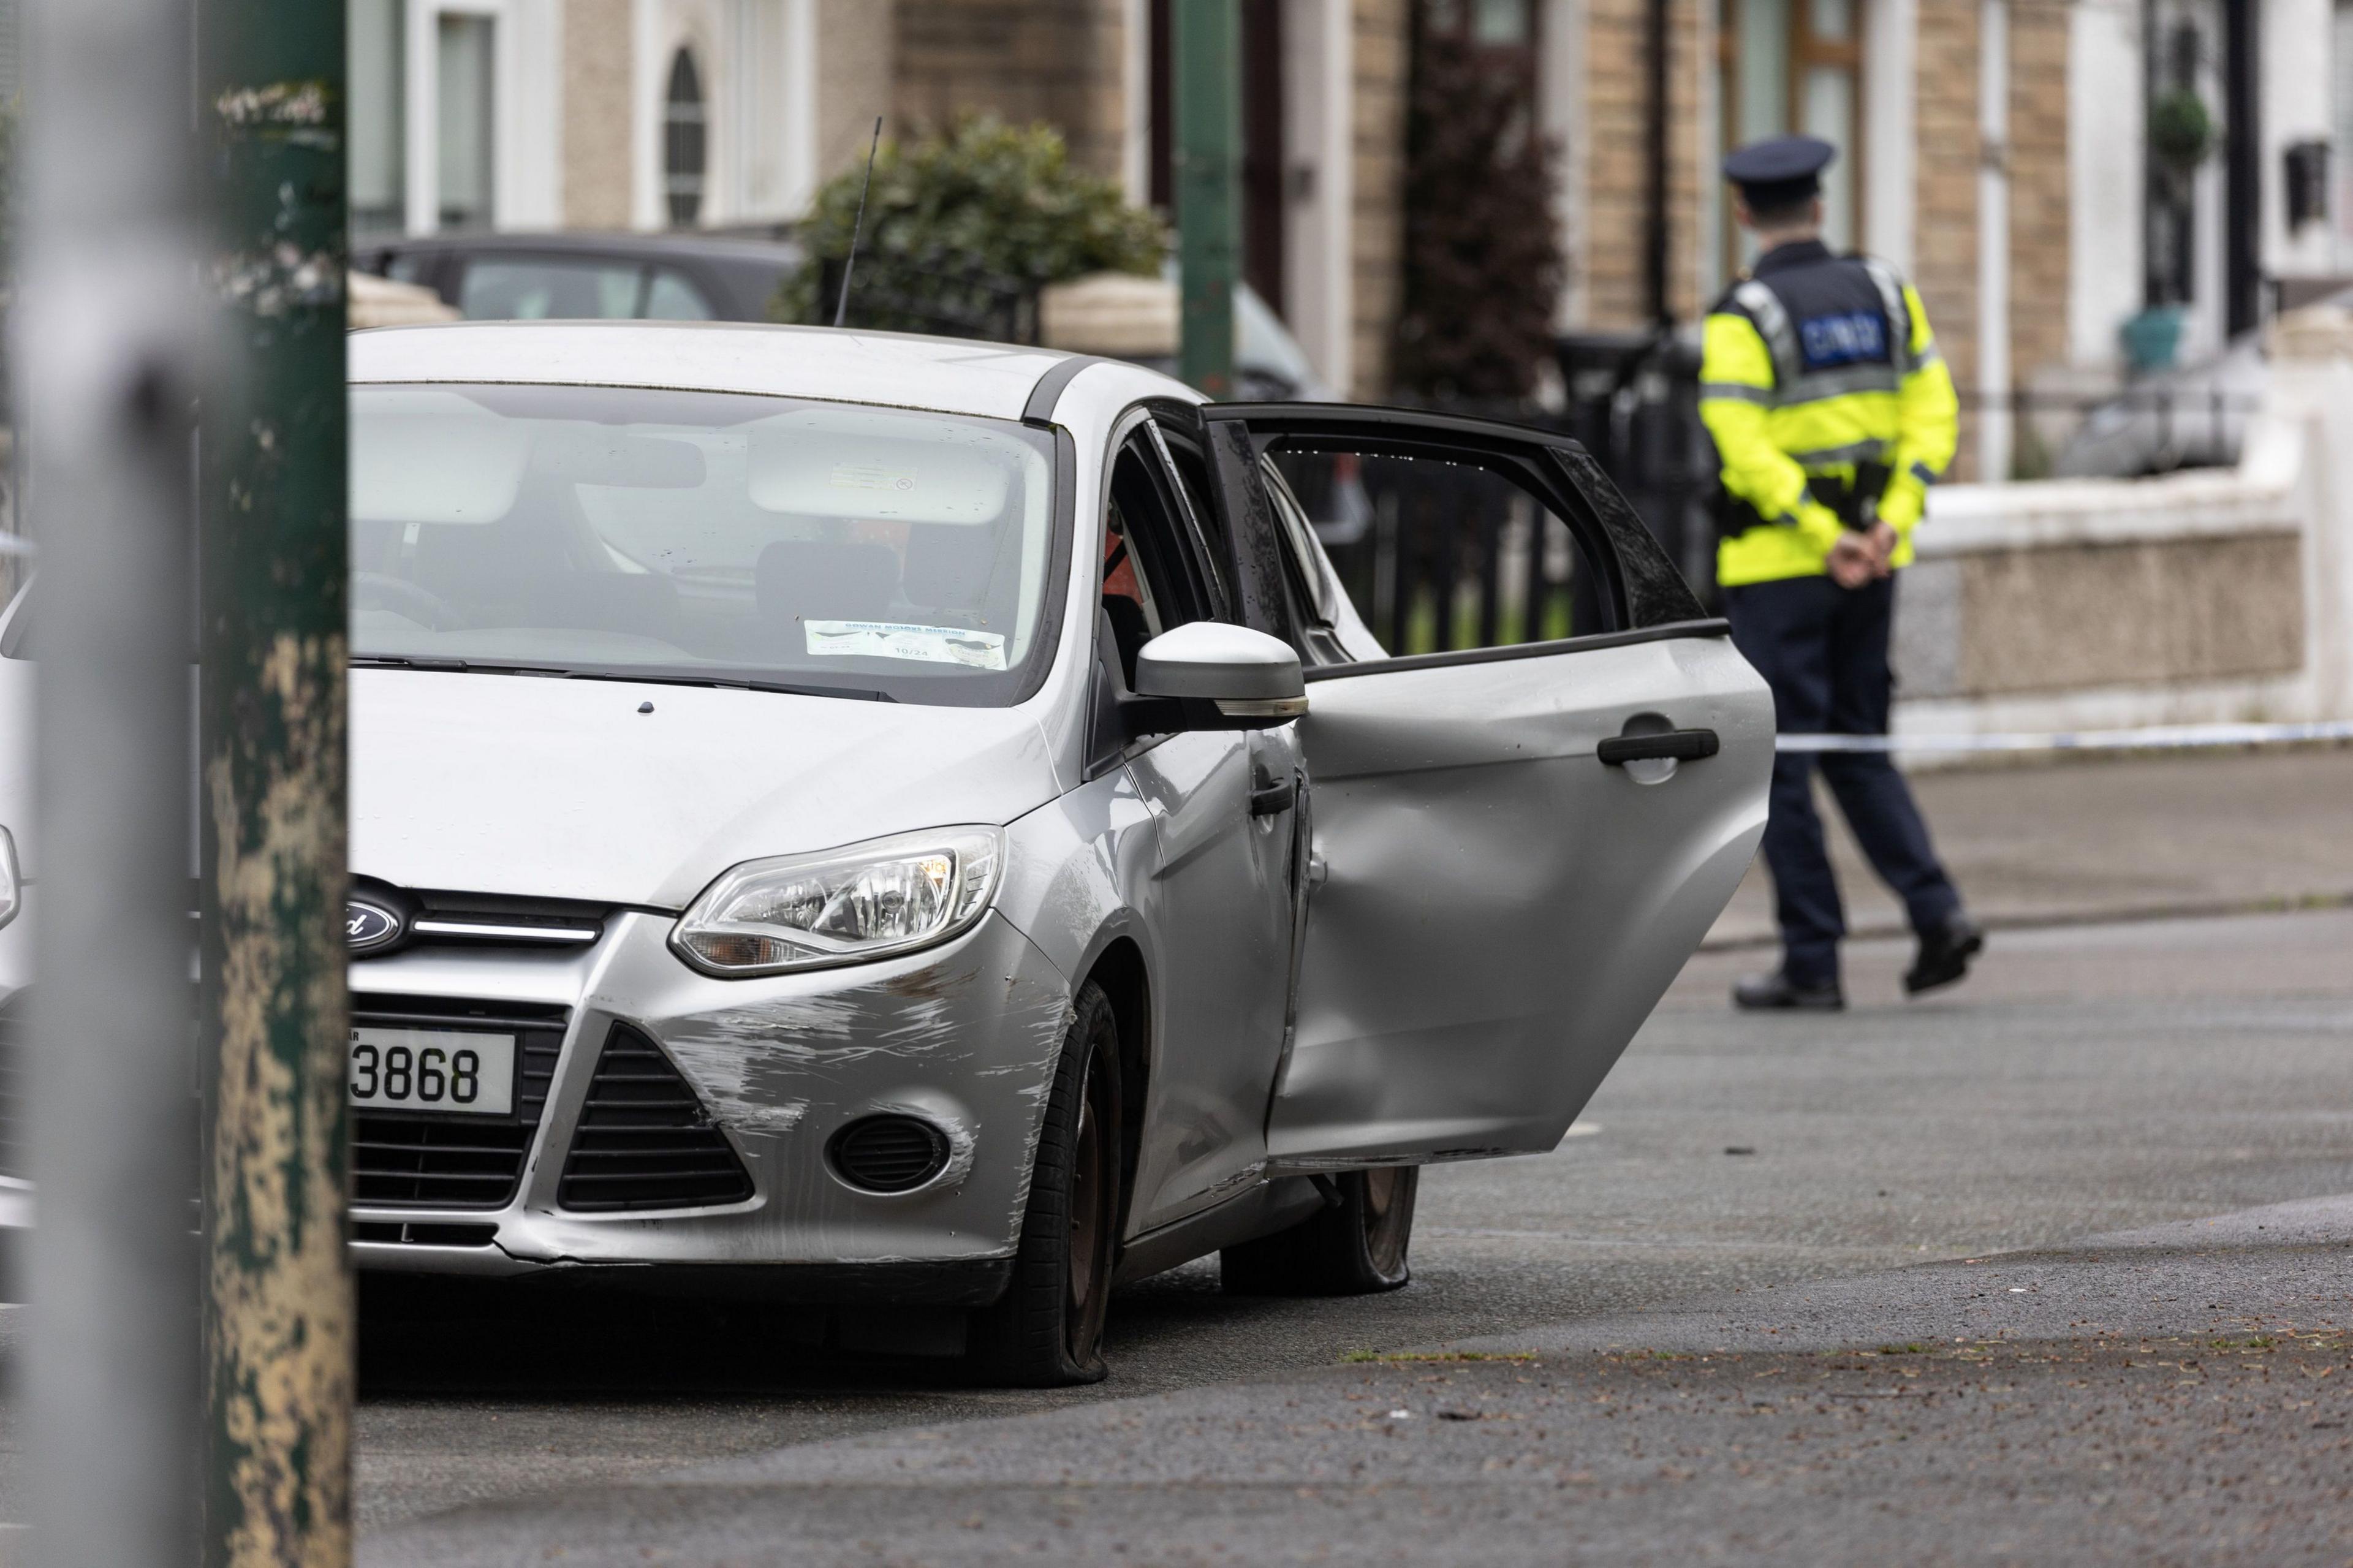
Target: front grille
point(428, 917)
point(441, 917)
point(644, 1141)
point(426, 1160)
point(422, 1233)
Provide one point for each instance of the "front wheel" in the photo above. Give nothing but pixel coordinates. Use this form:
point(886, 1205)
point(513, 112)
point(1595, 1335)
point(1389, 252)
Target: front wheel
point(1353, 1246)
point(1046, 1331)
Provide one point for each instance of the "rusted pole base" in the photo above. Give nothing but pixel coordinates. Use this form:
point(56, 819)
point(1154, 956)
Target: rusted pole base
point(279, 1310)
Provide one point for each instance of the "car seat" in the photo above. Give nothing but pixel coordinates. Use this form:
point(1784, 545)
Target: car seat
point(950, 569)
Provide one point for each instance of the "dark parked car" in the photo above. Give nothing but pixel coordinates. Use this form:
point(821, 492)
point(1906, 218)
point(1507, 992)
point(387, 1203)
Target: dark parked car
point(588, 274)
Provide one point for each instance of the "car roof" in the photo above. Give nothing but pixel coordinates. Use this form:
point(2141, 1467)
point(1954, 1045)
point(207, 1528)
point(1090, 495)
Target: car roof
point(601, 242)
point(949, 375)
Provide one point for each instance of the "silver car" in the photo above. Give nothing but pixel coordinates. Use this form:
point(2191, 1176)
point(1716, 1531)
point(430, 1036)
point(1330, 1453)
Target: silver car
point(888, 822)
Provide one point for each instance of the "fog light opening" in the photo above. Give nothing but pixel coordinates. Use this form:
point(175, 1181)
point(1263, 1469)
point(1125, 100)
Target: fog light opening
point(888, 1153)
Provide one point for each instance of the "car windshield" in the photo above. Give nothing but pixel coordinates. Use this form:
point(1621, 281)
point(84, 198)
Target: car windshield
point(628, 533)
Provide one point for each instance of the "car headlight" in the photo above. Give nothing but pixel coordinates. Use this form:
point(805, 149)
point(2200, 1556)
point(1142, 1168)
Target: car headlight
point(841, 906)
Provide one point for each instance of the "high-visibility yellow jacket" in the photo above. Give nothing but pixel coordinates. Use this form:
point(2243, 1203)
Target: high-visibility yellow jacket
point(1812, 364)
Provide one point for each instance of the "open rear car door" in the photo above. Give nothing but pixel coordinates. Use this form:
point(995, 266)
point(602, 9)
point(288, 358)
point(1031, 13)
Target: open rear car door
point(1513, 848)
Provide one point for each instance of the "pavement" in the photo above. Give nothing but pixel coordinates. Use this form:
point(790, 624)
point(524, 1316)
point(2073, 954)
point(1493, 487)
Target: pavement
point(2182, 1392)
point(1705, 1308)
point(2091, 837)
point(1929, 1281)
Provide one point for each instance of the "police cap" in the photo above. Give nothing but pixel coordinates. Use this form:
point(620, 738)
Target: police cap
point(1780, 170)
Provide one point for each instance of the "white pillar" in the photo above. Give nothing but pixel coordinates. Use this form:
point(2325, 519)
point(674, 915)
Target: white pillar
point(2107, 177)
point(527, 120)
point(1707, 251)
point(646, 60)
point(420, 136)
point(1320, 91)
point(1135, 100)
point(2295, 82)
point(1560, 112)
point(1891, 57)
point(802, 86)
point(1992, 407)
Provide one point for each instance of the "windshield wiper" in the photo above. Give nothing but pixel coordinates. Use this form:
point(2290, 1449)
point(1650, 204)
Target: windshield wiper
point(457, 666)
point(650, 678)
point(735, 683)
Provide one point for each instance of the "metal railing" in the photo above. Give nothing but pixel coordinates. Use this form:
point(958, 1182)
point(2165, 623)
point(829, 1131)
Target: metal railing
point(1440, 557)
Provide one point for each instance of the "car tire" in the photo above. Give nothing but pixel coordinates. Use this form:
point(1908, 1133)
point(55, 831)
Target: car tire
point(1354, 1247)
point(1046, 1331)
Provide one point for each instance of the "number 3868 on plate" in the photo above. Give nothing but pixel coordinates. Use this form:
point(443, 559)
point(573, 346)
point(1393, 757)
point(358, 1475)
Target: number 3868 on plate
point(461, 1071)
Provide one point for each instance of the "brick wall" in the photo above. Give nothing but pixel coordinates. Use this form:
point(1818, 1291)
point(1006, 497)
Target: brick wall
point(1947, 157)
point(1022, 60)
point(597, 156)
point(856, 52)
point(1617, 159)
point(2039, 255)
point(1376, 237)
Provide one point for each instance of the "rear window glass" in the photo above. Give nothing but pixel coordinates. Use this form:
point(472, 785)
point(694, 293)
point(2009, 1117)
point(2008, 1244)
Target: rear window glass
point(537, 289)
point(671, 298)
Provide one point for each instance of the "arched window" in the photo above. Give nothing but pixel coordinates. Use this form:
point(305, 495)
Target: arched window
point(685, 140)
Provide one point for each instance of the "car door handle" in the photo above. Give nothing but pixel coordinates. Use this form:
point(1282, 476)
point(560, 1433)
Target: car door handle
point(1682, 745)
point(1273, 799)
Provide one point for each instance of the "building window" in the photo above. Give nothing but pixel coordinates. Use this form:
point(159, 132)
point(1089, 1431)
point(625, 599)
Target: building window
point(685, 140)
point(1491, 23)
point(466, 118)
point(1789, 67)
point(1503, 32)
point(375, 60)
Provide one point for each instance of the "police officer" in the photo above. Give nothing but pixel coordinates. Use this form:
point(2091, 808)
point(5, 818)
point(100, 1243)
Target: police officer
point(1832, 412)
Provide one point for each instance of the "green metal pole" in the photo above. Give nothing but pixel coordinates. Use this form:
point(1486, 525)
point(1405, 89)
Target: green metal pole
point(279, 1327)
point(1209, 186)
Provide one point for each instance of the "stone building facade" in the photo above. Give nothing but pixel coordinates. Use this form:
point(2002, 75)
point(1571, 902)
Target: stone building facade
point(1994, 148)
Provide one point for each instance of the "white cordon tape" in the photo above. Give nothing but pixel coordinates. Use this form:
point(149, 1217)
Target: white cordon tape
point(2155, 738)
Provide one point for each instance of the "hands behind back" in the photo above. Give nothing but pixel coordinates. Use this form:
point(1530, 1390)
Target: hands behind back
point(1854, 560)
point(1863, 557)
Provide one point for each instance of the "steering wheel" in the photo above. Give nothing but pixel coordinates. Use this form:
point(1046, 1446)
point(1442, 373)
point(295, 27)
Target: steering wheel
point(404, 597)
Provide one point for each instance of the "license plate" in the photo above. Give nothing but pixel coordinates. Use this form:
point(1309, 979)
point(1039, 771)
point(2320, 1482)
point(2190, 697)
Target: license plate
point(432, 1069)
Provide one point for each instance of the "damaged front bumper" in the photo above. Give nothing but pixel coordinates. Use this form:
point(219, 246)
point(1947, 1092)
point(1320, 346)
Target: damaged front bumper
point(963, 1038)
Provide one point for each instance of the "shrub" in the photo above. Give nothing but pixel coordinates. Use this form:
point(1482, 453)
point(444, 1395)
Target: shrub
point(1483, 260)
point(955, 220)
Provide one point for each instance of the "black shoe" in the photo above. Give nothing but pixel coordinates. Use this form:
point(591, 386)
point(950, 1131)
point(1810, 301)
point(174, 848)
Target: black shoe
point(1943, 955)
point(1774, 993)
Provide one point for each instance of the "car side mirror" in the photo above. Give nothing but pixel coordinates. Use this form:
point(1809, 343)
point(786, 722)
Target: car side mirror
point(1227, 677)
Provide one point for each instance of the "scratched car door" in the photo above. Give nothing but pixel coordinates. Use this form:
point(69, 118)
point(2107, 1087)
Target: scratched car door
point(1514, 849)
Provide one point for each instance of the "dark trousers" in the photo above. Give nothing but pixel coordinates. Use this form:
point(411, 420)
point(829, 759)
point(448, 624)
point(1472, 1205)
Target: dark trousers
point(1823, 649)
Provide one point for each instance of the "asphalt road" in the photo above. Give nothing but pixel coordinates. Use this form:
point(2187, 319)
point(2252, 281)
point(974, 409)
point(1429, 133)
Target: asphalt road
point(1698, 1289)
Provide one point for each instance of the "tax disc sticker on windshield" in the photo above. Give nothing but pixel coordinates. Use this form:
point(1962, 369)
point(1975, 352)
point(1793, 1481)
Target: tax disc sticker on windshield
point(864, 477)
point(922, 645)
